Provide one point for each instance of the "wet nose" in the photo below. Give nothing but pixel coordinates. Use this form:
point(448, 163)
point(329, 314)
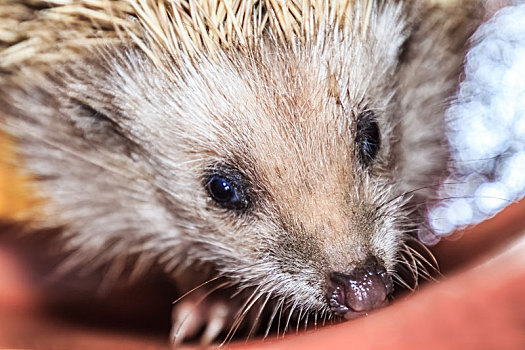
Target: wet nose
point(366, 288)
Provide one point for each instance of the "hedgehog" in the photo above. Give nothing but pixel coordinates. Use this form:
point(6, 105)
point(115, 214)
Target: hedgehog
point(275, 158)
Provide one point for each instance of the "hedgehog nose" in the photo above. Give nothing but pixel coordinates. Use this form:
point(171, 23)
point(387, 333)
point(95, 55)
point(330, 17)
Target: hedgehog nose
point(364, 289)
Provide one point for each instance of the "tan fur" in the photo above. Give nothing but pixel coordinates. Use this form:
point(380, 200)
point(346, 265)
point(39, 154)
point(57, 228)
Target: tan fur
point(119, 109)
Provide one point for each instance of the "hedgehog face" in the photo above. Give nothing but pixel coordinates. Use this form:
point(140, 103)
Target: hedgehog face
point(277, 166)
point(297, 173)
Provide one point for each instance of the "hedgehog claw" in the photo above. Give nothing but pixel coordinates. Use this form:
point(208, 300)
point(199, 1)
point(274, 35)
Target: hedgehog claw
point(218, 316)
point(186, 322)
point(191, 316)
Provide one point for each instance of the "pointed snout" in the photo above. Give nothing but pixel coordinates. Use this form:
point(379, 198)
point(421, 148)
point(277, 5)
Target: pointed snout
point(365, 288)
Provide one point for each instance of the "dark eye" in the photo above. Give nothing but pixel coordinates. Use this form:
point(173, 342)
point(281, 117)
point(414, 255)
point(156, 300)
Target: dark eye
point(368, 139)
point(225, 192)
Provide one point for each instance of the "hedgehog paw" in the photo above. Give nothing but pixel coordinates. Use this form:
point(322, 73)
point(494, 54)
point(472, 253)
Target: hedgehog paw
point(192, 317)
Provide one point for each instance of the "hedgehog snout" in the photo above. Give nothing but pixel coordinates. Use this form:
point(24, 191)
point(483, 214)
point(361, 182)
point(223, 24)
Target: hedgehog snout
point(364, 289)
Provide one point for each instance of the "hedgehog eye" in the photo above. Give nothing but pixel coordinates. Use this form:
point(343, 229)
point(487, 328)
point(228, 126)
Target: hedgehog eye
point(225, 192)
point(368, 139)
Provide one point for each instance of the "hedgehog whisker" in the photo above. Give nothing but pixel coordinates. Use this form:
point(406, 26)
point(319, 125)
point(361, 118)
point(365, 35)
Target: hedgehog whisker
point(401, 281)
point(195, 288)
point(258, 316)
point(404, 194)
point(410, 267)
point(424, 261)
point(241, 314)
point(292, 309)
point(433, 262)
point(324, 315)
point(280, 318)
point(272, 317)
point(307, 316)
point(298, 320)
